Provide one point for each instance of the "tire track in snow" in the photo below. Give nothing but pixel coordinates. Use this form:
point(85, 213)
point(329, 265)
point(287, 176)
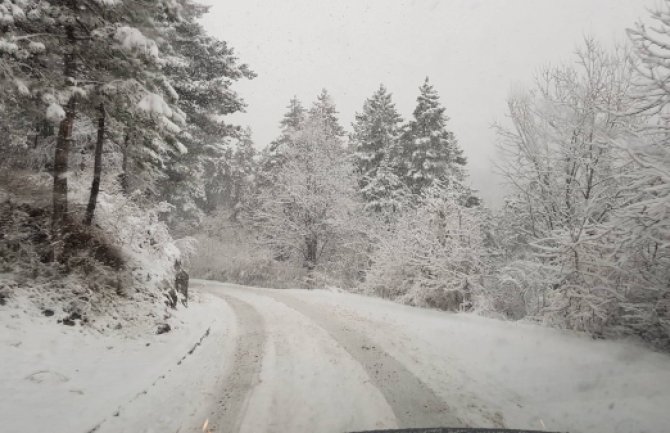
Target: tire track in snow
point(245, 371)
point(412, 401)
point(308, 381)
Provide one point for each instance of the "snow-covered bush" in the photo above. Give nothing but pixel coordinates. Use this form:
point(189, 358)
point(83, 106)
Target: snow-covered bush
point(126, 255)
point(431, 254)
point(228, 251)
point(130, 249)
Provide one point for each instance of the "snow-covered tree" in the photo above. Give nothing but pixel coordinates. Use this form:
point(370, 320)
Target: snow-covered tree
point(324, 109)
point(375, 143)
point(643, 224)
point(431, 255)
point(131, 98)
point(201, 75)
point(307, 213)
point(44, 35)
point(145, 75)
point(571, 176)
point(294, 117)
point(116, 68)
point(385, 193)
point(91, 57)
point(202, 78)
point(243, 171)
point(430, 152)
point(293, 120)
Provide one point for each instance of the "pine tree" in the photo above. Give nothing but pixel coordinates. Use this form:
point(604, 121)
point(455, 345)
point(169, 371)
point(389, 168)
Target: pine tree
point(385, 192)
point(55, 29)
point(201, 86)
point(292, 121)
point(131, 90)
point(96, 43)
point(242, 171)
point(273, 156)
point(202, 82)
point(375, 140)
point(294, 118)
point(430, 151)
point(324, 109)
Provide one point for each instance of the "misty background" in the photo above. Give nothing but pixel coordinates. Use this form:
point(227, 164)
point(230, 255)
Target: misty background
point(474, 51)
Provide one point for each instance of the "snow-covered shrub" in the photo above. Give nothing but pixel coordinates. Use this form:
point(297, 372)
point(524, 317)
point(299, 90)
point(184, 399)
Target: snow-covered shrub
point(519, 289)
point(228, 251)
point(86, 276)
point(128, 256)
point(431, 255)
point(142, 236)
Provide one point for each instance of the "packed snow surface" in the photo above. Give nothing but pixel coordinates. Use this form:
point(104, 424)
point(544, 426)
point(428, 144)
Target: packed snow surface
point(62, 379)
point(486, 372)
point(320, 361)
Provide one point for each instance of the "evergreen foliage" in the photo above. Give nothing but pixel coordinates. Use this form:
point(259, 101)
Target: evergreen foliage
point(430, 152)
point(375, 142)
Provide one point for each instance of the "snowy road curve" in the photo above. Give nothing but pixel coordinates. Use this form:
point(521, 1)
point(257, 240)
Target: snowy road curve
point(318, 361)
point(360, 371)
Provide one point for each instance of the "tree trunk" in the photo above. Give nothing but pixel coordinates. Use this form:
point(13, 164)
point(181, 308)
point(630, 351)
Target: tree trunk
point(97, 167)
point(237, 198)
point(61, 159)
point(62, 151)
point(311, 256)
point(311, 244)
point(123, 177)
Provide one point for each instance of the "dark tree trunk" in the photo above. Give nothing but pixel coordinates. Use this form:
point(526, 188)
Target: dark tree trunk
point(123, 177)
point(97, 168)
point(62, 151)
point(237, 199)
point(311, 243)
point(311, 257)
point(61, 160)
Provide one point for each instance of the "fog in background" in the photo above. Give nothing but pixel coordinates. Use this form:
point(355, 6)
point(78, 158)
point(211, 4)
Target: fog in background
point(474, 52)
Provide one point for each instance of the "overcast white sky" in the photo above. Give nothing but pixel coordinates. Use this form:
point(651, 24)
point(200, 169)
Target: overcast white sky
point(474, 51)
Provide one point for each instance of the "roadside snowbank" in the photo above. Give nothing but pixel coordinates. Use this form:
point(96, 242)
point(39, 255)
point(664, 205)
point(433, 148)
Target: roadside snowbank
point(66, 379)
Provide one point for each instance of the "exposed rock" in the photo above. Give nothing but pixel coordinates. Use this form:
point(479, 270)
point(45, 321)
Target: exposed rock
point(181, 284)
point(171, 300)
point(163, 328)
point(448, 300)
point(70, 320)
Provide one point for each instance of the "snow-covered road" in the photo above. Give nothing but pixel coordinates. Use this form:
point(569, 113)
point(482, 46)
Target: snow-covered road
point(318, 372)
point(252, 360)
point(318, 361)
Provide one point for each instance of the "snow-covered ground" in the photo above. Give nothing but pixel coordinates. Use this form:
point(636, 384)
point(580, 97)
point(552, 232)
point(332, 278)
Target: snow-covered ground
point(57, 378)
point(325, 353)
point(318, 361)
point(516, 374)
